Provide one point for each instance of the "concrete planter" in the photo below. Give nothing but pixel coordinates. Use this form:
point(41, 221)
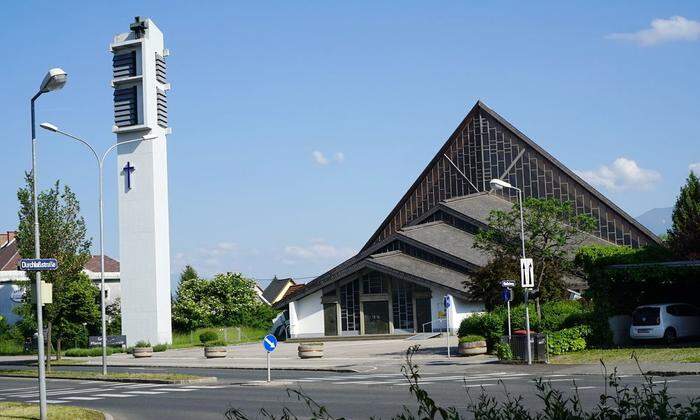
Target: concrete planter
point(472, 348)
point(140, 352)
point(310, 350)
point(214, 352)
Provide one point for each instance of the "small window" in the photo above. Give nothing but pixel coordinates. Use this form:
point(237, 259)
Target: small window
point(673, 310)
point(373, 283)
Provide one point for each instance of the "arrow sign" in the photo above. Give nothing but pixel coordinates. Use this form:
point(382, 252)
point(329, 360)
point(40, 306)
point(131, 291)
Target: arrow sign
point(527, 275)
point(447, 301)
point(270, 343)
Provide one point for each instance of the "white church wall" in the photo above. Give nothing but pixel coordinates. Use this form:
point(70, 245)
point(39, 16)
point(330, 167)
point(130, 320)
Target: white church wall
point(306, 316)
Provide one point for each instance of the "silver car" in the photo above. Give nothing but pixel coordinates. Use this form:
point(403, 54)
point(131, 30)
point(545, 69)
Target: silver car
point(668, 321)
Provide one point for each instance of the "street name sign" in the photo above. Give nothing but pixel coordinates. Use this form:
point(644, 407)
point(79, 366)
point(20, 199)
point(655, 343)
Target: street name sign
point(270, 343)
point(112, 340)
point(527, 276)
point(507, 283)
point(38, 264)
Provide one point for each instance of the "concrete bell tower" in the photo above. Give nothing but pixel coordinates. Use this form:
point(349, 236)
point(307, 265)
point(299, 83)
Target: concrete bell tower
point(141, 112)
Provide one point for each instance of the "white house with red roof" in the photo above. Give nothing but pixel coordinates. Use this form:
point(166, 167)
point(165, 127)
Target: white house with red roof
point(13, 282)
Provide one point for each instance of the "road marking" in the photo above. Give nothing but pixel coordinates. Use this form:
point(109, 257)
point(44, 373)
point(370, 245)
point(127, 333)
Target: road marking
point(360, 382)
point(206, 386)
point(560, 380)
point(114, 395)
point(18, 389)
point(583, 387)
point(50, 401)
point(144, 392)
point(82, 398)
point(664, 381)
point(176, 389)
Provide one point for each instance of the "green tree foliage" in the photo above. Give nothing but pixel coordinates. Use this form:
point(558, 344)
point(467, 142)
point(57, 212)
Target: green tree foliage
point(63, 236)
point(684, 236)
point(114, 317)
point(553, 231)
point(226, 300)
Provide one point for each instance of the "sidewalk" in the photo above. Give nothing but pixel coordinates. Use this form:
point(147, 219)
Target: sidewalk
point(342, 356)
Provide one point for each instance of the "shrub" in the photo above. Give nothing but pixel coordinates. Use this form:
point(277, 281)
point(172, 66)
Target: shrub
point(160, 347)
point(488, 325)
point(471, 338)
point(568, 340)
point(207, 336)
point(143, 344)
point(92, 352)
point(217, 343)
point(503, 351)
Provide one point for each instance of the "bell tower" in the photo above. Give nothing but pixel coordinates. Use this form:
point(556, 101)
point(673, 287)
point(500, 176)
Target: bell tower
point(141, 112)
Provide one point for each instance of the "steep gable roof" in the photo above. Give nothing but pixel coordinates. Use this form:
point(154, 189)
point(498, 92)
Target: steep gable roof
point(485, 146)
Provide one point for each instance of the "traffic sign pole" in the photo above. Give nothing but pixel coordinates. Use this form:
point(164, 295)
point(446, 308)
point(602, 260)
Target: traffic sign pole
point(527, 327)
point(509, 328)
point(270, 344)
point(447, 303)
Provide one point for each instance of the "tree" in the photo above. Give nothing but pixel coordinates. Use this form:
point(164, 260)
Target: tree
point(63, 237)
point(226, 300)
point(188, 273)
point(684, 236)
point(553, 231)
point(113, 311)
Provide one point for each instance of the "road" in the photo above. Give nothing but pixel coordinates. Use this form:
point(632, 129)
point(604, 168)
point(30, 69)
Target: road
point(351, 395)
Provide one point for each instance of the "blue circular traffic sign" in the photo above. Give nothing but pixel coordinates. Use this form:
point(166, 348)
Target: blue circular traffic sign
point(270, 342)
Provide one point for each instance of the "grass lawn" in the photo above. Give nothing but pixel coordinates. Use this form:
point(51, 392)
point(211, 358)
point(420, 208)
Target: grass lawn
point(228, 334)
point(66, 374)
point(12, 410)
point(10, 348)
point(645, 354)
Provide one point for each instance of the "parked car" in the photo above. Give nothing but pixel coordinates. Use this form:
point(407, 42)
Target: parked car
point(668, 321)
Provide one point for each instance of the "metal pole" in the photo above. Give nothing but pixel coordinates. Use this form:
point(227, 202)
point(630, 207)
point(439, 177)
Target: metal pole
point(268, 366)
point(37, 254)
point(447, 314)
point(527, 305)
point(102, 275)
point(527, 327)
point(509, 327)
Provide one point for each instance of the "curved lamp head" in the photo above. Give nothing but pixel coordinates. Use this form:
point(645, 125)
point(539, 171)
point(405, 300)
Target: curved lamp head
point(55, 79)
point(48, 126)
point(499, 184)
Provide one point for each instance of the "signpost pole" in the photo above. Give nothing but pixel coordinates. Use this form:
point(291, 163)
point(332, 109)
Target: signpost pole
point(268, 366)
point(447, 319)
point(527, 327)
point(509, 328)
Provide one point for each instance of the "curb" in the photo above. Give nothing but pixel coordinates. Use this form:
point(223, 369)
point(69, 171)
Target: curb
point(203, 380)
point(107, 416)
point(317, 369)
point(671, 373)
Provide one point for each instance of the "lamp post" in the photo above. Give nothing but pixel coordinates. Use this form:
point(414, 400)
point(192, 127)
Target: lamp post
point(499, 184)
point(100, 166)
point(55, 79)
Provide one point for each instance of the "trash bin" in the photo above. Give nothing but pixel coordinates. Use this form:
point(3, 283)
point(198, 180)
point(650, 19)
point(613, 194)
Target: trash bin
point(518, 345)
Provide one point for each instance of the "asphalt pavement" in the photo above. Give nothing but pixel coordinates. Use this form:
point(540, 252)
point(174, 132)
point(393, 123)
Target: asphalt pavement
point(350, 395)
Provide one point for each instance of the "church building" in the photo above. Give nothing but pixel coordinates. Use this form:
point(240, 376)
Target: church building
point(423, 250)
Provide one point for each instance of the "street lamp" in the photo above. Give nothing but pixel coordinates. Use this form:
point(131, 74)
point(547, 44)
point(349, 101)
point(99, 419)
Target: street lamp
point(55, 79)
point(499, 184)
point(100, 167)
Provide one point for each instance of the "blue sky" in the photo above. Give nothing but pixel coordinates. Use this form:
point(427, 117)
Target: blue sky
point(298, 125)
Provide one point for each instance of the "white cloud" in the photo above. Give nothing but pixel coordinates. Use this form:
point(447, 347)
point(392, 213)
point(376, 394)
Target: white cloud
point(317, 250)
point(321, 159)
point(676, 28)
point(622, 174)
point(210, 260)
point(695, 167)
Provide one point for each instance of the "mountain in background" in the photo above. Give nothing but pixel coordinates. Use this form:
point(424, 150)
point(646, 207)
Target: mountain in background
point(657, 220)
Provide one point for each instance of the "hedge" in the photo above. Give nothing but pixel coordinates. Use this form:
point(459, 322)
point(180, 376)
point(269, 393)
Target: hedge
point(568, 340)
point(556, 315)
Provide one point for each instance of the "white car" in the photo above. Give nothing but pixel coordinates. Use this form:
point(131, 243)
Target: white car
point(667, 320)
